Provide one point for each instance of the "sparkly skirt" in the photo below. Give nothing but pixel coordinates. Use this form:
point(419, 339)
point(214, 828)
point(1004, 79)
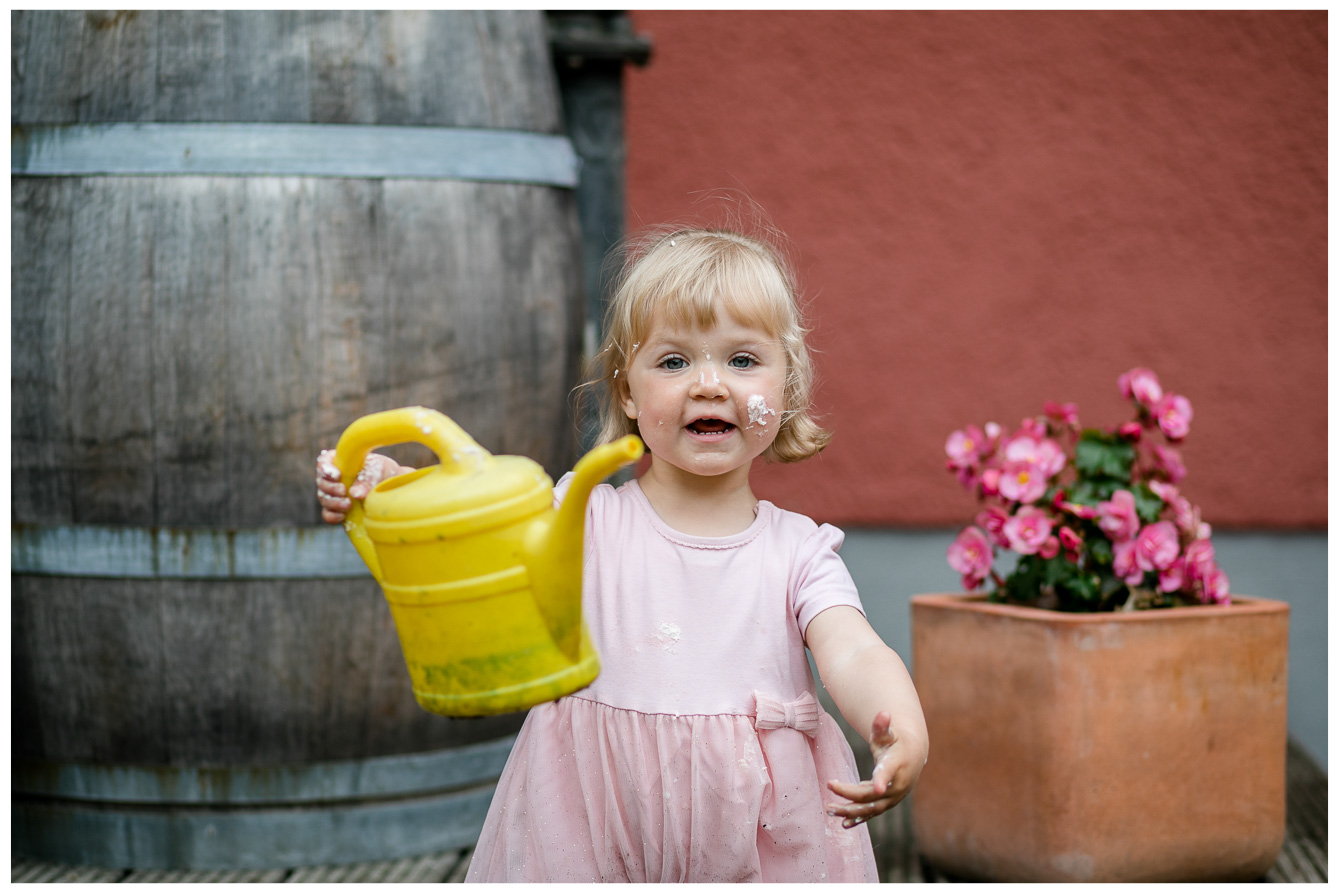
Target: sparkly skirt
point(597, 793)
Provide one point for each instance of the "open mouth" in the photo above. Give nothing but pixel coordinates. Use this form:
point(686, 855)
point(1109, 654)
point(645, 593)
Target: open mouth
point(710, 427)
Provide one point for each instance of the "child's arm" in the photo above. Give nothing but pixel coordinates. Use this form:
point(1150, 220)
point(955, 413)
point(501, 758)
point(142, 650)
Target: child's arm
point(330, 491)
point(873, 690)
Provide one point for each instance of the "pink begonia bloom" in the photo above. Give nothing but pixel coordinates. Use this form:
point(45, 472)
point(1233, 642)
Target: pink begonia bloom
point(1141, 384)
point(991, 519)
point(1042, 452)
point(968, 476)
point(1186, 516)
point(1027, 530)
point(1064, 413)
point(1086, 512)
point(1050, 548)
point(1215, 588)
point(1031, 427)
point(1168, 461)
point(990, 482)
point(1173, 578)
point(993, 432)
point(971, 555)
point(1163, 490)
point(1117, 517)
point(1069, 539)
point(1124, 564)
point(1199, 561)
point(1156, 546)
point(1131, 431)
point(964, 446)
point(1022, 482)
point(1174, 414)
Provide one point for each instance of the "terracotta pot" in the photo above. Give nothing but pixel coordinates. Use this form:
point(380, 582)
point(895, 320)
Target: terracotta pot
point(1141, 746)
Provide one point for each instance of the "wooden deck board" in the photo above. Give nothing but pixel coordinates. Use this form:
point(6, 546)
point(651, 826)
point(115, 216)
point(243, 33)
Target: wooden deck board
point(1304, 858)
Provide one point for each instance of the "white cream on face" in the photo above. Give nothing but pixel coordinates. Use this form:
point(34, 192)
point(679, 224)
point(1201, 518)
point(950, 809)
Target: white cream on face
point(759, 410)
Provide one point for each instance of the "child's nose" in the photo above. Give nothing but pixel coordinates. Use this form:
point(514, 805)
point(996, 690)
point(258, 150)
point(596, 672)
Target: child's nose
point(708, 383)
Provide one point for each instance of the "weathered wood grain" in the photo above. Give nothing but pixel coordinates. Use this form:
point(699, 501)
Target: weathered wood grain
point(110, 402)
point(453, 68)
point(190, 365)
point(41, 485)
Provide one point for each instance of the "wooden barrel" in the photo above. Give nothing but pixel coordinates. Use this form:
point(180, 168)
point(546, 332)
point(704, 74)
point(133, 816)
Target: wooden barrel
point(233, 233)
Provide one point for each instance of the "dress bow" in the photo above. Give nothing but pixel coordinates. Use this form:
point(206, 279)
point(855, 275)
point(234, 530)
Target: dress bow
point(800, 714)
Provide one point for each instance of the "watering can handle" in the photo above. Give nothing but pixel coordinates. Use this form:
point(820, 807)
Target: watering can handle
point(455, 449)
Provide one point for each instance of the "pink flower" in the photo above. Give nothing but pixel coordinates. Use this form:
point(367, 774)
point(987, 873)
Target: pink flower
point(1064, 413)
point(1131, 431)
point(1070, 540)
point(1142, 385)
point(1156, 546)
point(971, 555)
point(1033, 428)
point(1163, 490)
point(1168, 461)
point(991, 519)
point(1216, 588)
point(1086, 512)
point(1174, 414)
point(964, 446)
point(990, 482)
point(1199, 561)
point(1173, 578)
point(1027, 530)
point(1022, 482)
point(1050, 548)
point(1187, 516)
point(1124, 564)
point(1041, 452)
point(1117, 517)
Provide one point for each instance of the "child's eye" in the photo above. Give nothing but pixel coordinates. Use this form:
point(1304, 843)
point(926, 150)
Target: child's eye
point(743, 361)
point(673, 364)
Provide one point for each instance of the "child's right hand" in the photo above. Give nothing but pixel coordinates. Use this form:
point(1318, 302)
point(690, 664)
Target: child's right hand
point(335, 502)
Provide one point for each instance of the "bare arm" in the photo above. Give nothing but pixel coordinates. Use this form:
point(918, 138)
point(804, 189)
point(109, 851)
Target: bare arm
point(874, 692)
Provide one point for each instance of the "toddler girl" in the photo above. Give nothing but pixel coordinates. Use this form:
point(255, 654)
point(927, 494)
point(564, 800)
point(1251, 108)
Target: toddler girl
point(700, 752)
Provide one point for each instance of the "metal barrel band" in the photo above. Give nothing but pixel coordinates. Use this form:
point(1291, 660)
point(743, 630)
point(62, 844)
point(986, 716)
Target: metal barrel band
point(310, 150)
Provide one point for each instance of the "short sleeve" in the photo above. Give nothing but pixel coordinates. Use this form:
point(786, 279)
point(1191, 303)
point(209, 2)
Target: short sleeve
point(821, 580)
point(560, 488)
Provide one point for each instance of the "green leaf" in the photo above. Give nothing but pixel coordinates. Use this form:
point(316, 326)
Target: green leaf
point(1092, 490)
point(1104, 455)
point(1147, 505)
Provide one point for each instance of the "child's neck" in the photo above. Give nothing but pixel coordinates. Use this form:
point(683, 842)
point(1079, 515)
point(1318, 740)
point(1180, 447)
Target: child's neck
point(719, 505)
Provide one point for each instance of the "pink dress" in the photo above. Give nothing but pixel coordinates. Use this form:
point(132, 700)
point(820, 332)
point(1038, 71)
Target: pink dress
point(700, 752)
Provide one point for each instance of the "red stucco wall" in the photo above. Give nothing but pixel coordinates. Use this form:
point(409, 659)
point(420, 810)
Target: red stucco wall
point(991, 210)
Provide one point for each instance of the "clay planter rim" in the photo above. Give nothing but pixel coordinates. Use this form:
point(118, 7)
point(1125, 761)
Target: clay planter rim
point(978, 602)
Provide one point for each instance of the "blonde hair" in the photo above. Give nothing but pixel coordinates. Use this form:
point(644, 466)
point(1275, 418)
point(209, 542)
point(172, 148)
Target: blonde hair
point(686, 276)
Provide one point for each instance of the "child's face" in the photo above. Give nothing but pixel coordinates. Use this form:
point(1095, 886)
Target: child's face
point(707, 401)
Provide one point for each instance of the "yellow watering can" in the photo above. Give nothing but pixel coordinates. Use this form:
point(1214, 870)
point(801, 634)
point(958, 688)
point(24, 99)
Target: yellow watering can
point(482, 573)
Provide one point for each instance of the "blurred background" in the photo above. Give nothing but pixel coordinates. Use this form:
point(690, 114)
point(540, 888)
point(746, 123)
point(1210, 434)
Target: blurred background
point(234, 233)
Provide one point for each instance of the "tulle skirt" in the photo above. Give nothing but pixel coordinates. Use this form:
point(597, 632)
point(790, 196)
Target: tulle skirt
point(597, 793)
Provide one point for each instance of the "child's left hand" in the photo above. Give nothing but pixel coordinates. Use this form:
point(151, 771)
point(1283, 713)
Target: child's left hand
point(896, 768)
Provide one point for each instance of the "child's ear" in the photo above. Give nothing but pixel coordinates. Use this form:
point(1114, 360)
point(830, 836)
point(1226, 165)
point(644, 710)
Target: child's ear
point(625, 397)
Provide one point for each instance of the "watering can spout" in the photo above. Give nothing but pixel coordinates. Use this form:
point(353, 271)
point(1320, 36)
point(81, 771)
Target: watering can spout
point(562, 543)
point(594, 467)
